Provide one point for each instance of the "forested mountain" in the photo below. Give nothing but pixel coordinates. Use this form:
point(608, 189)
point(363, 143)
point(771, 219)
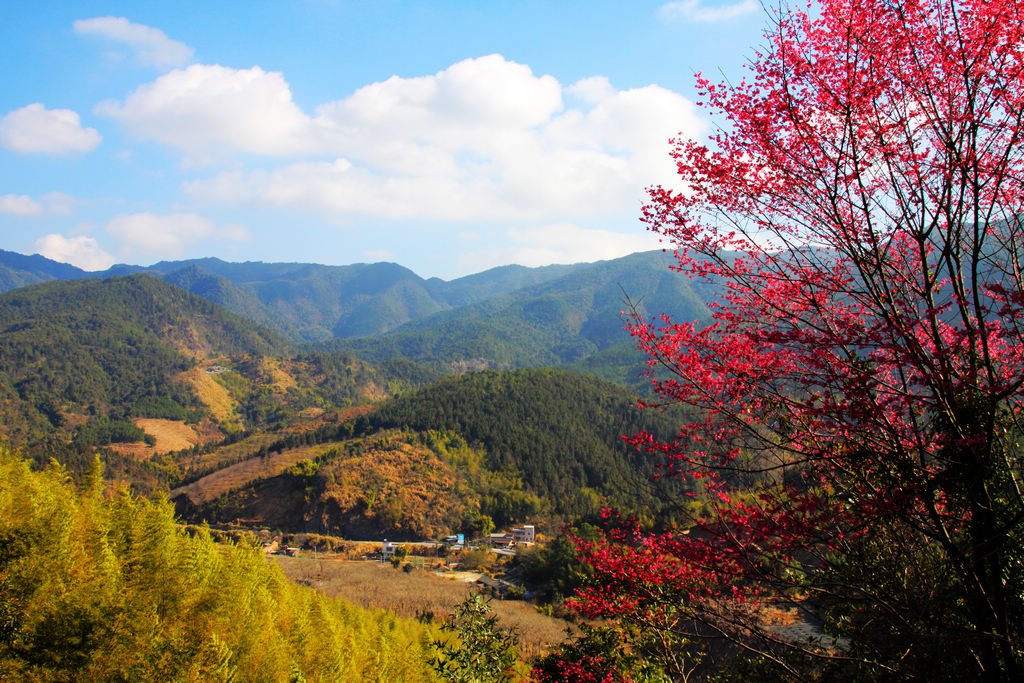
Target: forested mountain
point(511, 316)
point(509, 446)
point(560, 432)
point(220, 290)
point(87, 347)
point(305, 301)
point(18, 270)
point(559, 322)
point(82, 360)
point(321, 302)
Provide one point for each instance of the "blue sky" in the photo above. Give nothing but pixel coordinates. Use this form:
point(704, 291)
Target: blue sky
point(449, 137)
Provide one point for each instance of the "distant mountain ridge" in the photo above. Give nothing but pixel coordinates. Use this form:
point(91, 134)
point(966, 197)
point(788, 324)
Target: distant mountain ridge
point(505, 317)
point(305, 301)
point(559, 322)
point(19, 270)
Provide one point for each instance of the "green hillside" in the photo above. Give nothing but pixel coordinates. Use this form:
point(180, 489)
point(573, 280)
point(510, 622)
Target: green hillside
point(82, 360)
point(471, 289)
point(222, 291)
point(312, 302)
point(559, 322)
point(511, 316)
point(559, 432)
point(94, 347)
point(19, 270)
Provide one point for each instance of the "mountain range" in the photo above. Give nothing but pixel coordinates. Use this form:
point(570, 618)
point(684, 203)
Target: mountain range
point(506, 317)
point(249, 387)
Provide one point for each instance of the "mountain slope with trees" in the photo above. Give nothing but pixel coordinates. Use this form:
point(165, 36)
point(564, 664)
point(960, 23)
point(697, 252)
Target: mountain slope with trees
point(305, 301)
point(559, 322)
point(18, 270)
point(510, 316)
point(82, 360)
point(92, 347)
point(559, 432)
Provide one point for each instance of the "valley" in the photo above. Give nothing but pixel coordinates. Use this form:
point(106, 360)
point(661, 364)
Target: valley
point(276, 407)
point(485, 406)
point(185, 395)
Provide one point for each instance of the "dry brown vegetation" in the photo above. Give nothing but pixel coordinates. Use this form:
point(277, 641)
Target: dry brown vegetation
point(279, 379)
point(136, 449)
point(418, 593)
point(213, 395)
point(231, 453)
point(250, 467)
point(393, 485)
point(170, 435)
point(235, 476)
point(317, 417)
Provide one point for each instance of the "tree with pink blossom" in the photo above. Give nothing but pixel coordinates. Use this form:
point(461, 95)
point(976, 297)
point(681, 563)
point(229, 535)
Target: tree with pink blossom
point(859, 461)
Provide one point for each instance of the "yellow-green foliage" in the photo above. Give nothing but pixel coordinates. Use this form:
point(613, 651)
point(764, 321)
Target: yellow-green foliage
point(98, 588)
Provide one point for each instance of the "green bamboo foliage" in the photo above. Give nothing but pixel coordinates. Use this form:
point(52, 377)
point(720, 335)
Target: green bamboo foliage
point(100, 587)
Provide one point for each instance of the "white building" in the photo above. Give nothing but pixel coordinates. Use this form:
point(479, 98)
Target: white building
point(524, 534)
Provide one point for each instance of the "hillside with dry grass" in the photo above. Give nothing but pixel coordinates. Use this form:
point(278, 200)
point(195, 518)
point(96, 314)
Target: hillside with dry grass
point(421, 594)
point(394, 484)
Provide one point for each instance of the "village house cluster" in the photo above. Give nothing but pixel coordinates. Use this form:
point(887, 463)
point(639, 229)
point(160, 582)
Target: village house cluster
point(522, 536)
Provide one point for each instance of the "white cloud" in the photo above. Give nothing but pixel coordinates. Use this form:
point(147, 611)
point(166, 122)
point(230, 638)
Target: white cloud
point(206, 110)
point(20, 205)
point(59, 203)
point(558, 243)
point(23, 205)
point(81, 251)
point(694, 10)
point(338, 187)
point(592, 90)
point(481, 105)
point(34, 128)
point(484, 139)
point(151, 46)
point(167, 235)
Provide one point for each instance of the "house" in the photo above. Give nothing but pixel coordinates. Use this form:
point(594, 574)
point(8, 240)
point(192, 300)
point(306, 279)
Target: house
point(457, 539)
point(498, 588)
point(499, 540)
point(387, 550)
point(524, 534)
